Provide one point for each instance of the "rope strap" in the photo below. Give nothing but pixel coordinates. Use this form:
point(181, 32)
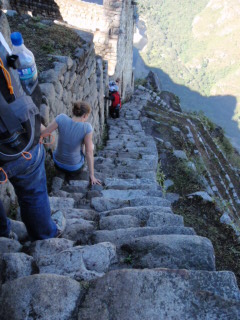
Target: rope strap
point(26, 155)
point(7, 77)
point(6, 177)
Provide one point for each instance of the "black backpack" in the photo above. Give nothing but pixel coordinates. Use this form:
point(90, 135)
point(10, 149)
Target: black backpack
point(19, 117)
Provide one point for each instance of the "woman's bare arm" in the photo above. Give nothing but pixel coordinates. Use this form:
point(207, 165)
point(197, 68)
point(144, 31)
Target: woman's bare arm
point(50, 128)
point(89, 156)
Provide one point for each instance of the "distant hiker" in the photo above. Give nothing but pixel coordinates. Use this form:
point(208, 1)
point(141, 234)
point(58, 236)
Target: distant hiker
point(114, 96)
point(21, 154)
point(73, 134)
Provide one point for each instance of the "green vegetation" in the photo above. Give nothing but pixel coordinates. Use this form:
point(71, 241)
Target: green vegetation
point(196, 43)
point(140, 82)
point(48, 39)
point(161, 178)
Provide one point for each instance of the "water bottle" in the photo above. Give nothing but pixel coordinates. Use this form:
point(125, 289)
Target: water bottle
point(27, 68)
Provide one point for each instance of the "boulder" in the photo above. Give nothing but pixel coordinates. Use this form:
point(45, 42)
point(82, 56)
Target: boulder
point(153, 82)
point(8, 245)
point(48, 247)
point(80, 263)
point(162, 294)
point(15, 265)
point(44, 296)
point(171, 251)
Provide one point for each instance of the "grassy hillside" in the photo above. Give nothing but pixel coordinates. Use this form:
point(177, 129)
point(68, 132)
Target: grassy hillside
point(195, 42)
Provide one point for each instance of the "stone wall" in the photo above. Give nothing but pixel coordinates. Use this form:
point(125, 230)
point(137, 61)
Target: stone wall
point(111, 24)
point(82, 78)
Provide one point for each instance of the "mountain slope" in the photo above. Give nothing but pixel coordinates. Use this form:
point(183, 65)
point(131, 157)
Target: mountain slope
point(196, 43)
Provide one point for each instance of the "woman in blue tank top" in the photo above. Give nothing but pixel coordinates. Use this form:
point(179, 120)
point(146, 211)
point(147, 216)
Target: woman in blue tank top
point(74, 133)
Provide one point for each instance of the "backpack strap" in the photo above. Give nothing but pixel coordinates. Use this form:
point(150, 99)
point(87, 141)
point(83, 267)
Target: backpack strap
point(7, 116)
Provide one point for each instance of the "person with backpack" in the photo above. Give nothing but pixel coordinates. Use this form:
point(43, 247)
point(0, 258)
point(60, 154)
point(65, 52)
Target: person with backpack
point(74, 133)
point(21, 155)
point(114, 96)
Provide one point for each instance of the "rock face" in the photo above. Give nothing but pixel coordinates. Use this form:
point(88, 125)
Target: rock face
point(154, 82)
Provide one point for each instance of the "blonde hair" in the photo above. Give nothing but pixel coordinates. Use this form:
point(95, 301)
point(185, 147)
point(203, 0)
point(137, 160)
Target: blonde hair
point(80, 108)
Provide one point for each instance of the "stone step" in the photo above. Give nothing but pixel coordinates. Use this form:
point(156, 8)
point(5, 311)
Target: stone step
point(79, 230)
point(124, 168)
point(69, 192)
point(148, 161)
point(129, 221)
point(140, 212)
point(142, 150)
point(58, 203)
point(125, 184)
point(44, 296)
point(147, 220)
point(106, 204)
point(119, 236)
point(125, 155)
point(15, 265)
point(86, 214)
point(162, 294)
point(140, 136)
point(170, 251)
point(125, 174)
point(80, 262)
point(119, 144)
point(77, 186)
point(9, 245)
point(130, 194)
point(48, 247)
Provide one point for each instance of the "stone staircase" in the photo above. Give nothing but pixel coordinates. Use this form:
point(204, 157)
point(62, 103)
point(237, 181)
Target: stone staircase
point(124, 254)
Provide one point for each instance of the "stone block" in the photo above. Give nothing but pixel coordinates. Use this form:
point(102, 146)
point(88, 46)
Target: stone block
point(44, 296)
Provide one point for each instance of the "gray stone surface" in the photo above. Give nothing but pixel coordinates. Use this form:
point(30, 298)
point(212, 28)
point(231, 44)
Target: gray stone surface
point(61, 203)
point(171, 251)
point(42, 297)
point(118, 222)
point(19, 228)
point(105, 204)
point(79, 230)
point(9, 245)
point(119, 236)
point(201, 194)
point(160, 219)
point(80, 263)
point(180, 154)
point(123, 184)
point(86, 214)
point(141, 212)
point(162, 294)
point(57, 184)
point(129, 194)
point(15, 265)
point(47, 247)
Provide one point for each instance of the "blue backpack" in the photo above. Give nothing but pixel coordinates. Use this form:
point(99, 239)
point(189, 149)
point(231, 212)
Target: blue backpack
point(19, 117)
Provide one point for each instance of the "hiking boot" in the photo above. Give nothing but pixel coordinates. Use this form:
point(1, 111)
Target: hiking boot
point(60, 220)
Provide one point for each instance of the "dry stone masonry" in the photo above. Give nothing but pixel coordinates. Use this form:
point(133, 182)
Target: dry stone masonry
point(82, 78)
point(112, 25)
point(124, 253)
